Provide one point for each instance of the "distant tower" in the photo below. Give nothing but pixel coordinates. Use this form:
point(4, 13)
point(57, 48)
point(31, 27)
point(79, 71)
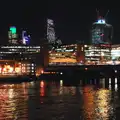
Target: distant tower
point(12, 35)
point(101, 32)
point(25, 38)
point(50, 32)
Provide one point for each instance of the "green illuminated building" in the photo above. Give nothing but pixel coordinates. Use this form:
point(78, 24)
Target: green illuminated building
point(12, 35)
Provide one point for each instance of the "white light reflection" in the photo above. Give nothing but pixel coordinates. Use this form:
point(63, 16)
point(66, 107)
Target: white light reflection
point(13, 101)
point(103, 82)
point(115, 80)
point(61, 87)
point(11, 93)
point(32, 83)
point(109, 80)
point(110, 87)
point(116, 87)
point(103, 107)
point(61, 82)
point(61, 73)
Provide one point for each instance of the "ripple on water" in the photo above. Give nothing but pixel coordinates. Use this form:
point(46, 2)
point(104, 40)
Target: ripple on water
point(31, 101)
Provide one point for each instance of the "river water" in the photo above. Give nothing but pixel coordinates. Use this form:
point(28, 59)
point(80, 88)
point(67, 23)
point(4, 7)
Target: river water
point(90, 99)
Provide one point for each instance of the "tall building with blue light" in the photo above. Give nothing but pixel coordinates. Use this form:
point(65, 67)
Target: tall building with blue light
point(101, 40)
point(101, 32)
point(25, 38)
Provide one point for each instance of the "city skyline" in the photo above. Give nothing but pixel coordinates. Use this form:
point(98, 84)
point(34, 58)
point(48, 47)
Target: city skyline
point(70, 24)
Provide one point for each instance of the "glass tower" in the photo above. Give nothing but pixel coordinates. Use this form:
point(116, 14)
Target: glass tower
point(101, 32)
point(50, 31)
point(12, 35)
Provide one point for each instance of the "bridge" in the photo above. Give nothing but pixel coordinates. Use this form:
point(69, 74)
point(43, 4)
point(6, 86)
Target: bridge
point(85, 70)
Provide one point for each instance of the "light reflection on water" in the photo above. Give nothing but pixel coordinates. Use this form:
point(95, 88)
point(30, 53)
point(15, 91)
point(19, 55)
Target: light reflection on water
point(13, 101)
point(42, 100)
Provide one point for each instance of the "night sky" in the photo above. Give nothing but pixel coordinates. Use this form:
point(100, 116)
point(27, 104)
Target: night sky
point(73, 21)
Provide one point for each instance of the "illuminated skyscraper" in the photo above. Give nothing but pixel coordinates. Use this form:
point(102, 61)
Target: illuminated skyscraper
point(25, 38)
point(101, 39)
point(102, 32)
point(12, 35)
point(50, 31)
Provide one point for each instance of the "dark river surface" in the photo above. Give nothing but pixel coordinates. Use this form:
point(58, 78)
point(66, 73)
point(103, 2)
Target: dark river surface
point(90, 99)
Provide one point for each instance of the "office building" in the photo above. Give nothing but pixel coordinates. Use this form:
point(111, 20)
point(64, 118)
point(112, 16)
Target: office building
point(97, 54)
point(50, 32)
point(101, 32)
point(19, 52)
point(67, 55)
point(25, 38)
point(77, 54)
point(12, 36)
point(13, 67)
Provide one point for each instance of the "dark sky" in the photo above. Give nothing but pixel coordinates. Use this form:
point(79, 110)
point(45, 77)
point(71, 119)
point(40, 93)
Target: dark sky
point(24, 14)
point(73, 20)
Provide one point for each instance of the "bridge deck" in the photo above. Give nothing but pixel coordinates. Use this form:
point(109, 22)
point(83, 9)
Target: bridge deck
point(83, 67)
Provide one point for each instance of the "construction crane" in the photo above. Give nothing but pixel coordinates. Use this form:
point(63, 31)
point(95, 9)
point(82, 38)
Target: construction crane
point(106, 15)
point(99, 12)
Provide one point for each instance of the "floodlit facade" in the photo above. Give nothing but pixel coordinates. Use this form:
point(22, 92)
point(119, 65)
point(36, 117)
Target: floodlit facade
point(16, 68)
point(63, 55)
point(75, 54)
point(21, 53)
point(5, 51)
point(67, 55)
point(97, 54)
point(115, 54)
point(22, 49)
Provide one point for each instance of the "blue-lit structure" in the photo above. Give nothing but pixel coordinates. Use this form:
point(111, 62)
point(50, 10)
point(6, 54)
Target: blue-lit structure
point(25, 38)
point(101, 21)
